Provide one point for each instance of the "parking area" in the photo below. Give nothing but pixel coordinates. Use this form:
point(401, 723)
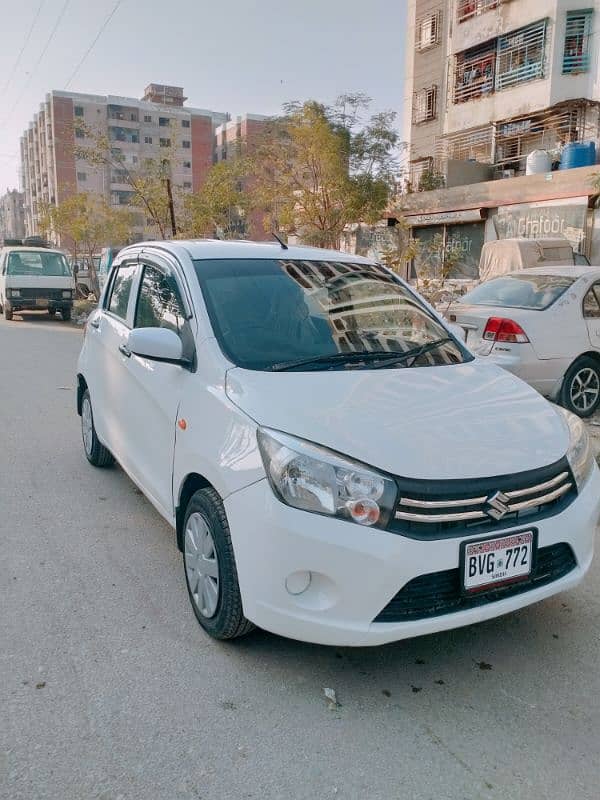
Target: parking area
point(113, 691)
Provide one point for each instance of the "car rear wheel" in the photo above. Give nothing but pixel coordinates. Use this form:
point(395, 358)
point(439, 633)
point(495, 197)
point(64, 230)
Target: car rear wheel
point(95, 452)
point(210, 570)
point(581, 387)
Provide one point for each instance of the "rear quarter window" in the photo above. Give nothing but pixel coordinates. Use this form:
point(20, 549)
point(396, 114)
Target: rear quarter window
point(535, 292)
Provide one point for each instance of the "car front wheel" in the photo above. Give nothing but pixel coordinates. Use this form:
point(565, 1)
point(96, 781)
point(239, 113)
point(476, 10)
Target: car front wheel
point(581, 387)
point(95, 452)
point(210, 570)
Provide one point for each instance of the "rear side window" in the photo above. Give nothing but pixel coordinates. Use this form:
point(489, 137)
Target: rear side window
point(121, 289)
point(159, 303)
point(535, 292)
point(591, 303)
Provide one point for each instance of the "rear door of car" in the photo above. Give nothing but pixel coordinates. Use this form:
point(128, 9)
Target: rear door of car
point(106, 343)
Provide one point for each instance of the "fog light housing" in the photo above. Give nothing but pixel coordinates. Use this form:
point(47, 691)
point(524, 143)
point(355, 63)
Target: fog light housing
point(298, 582)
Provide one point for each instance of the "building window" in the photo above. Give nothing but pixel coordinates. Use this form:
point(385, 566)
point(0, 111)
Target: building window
point(185, 123)
point(78, 111)
point(164, 122)
point(473, 8)
point(425, 105)
point(521, 55)
point(187, 164)
point(165, 143)
point(500, 63)
point(147, 118)
point(186, 144)
point(474, 72)
point(147, 140)
point(81, 176)
point(576, 57)
point(428, 31)
point(187, 185)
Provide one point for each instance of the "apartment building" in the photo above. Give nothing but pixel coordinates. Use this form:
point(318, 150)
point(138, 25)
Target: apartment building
point(136, 129)
point(12, 216)
point(497, 94)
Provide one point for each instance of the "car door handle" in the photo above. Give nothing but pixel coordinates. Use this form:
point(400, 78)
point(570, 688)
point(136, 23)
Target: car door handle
point(95, 323)
point(125, 350)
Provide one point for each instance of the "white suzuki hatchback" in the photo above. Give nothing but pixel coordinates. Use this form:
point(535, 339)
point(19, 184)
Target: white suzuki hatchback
point(338, 467)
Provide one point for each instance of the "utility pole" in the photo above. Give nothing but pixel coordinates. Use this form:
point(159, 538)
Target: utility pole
point(171, 207)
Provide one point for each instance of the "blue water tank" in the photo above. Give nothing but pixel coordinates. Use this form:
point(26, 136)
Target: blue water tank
point(578, 154)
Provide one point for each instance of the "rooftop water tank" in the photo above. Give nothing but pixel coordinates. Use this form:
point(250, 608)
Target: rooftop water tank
point(538, 162)
point(578, 154)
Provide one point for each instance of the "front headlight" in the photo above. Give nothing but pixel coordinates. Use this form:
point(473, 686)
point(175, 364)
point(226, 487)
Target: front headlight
point(13, 292)
point(579, 454)
point(313, 478)
point(67, 293)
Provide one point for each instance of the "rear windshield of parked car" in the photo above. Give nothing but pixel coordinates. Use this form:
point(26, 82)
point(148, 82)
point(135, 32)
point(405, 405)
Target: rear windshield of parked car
point(266, 313)
point(535, 292)
point(38, 264)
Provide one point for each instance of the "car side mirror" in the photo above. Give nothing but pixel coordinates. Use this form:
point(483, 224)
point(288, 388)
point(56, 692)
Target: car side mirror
point(157, 344)
point(457, 330)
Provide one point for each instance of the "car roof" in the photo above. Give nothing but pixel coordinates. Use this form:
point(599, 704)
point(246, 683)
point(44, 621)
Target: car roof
point(25, 249)
point(568, 271)
point(199, 249)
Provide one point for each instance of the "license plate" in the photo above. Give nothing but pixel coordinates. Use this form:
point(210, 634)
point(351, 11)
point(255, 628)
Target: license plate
point(41, 303)
point(491, 563)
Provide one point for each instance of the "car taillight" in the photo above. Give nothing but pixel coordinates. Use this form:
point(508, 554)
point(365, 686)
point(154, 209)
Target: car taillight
point(499, 329)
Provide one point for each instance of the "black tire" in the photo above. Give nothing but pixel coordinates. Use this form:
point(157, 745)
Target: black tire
point(51, 312)
point(96, 453)
point(8, 312)
point(228, 621)
point(584, 369)
point(66, 314)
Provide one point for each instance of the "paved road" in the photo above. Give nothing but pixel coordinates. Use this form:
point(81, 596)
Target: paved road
point(113, 692)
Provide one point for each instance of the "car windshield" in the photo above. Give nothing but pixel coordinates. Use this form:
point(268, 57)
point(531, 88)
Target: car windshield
point(535, 292)
point(31, 262)
point(286, 314)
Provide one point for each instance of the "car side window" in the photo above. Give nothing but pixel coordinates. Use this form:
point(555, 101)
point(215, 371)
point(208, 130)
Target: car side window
point(591, 304)
point(159, 302)
point(120, 290)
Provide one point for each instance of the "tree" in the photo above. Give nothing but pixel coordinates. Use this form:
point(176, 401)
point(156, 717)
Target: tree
point(318, 168)
point(219, 208)
point(85, 223)
point(149, 182)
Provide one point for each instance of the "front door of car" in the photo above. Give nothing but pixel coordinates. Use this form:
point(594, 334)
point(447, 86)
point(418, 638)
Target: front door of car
point(591, 314)
point(154, 388)
point(106, 340)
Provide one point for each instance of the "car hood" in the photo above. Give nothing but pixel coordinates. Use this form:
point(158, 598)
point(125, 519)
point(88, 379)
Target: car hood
point(461, 421)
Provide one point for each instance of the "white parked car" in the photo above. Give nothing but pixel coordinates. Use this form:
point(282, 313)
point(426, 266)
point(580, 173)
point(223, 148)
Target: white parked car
point(544, 326)
point(338, 467)
point(35, 278)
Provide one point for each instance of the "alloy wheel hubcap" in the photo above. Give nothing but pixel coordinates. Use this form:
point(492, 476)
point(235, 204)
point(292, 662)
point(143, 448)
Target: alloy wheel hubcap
point(87, 426)
point(201, 565)
point(585, 389)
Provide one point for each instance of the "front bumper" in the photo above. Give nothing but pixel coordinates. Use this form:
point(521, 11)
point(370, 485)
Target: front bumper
point(356, 571)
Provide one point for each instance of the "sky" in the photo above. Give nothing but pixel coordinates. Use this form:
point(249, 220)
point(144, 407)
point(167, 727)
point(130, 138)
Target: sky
point(233, 56)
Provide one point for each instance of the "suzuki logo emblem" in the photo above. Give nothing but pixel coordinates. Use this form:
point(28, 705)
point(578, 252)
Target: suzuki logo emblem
point(497, 506)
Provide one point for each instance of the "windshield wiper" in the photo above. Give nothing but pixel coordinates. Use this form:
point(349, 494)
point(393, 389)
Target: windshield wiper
point(415, 353)
point(332, 359)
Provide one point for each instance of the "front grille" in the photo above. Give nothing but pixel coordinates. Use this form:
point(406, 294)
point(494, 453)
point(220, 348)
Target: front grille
point(440, 592)
point(43, 294)
point(439, 509)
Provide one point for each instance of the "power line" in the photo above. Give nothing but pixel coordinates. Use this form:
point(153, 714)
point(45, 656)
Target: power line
point(94, 42)
point(38, 62)
point(25, 43)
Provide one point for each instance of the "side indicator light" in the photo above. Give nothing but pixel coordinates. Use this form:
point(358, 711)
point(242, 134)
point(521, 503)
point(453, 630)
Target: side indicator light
point(182, 424)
